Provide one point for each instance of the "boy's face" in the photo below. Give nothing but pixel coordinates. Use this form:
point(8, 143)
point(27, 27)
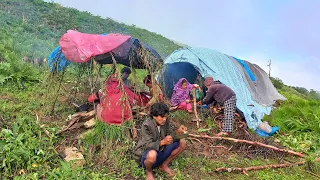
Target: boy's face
point(125, 75)
point(160, 120)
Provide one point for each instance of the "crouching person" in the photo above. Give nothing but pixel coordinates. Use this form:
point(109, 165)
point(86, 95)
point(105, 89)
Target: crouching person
point(158, 144)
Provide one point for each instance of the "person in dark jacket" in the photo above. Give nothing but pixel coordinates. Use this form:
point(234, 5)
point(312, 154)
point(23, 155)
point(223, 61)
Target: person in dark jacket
point(125, 73)
point(159, 141)
point(225, 96)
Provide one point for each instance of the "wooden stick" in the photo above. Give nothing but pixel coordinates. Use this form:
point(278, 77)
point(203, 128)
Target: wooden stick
point(250, 142)
point(311, 173)
point(243, 170)
point(218, 147)
point(45, 131)
point(42, 126)
point(195, 107)
point(196, 140)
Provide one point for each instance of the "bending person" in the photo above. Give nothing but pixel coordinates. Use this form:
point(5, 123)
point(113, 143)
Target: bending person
point(225, 96)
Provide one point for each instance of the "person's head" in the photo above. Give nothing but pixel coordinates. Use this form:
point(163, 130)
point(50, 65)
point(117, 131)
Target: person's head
point(184, 84)
point(125, 72)
point(159, 112)
point(113, 78)
point(208, 82)
point(147, 81)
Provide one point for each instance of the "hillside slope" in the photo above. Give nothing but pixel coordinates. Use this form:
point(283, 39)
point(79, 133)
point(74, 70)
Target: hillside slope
point(28, 125)
point(36, 27)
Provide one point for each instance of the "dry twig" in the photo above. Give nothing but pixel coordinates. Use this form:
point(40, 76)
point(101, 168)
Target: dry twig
point(250, 142)
point(244, 170)
point(45, 131)
point(195, 140)
point(311, 173)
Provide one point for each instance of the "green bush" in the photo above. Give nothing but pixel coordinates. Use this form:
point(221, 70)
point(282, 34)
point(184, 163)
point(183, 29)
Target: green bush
point(25, 148)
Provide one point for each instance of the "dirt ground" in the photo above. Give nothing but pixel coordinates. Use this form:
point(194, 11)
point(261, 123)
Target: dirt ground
point(207, 148)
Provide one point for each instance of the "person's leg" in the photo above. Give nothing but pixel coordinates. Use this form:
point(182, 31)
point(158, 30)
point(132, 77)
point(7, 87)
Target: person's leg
point(148, 159)
point(189, 107)
point(182, 106)
point(181, 146)
point(99, 111)
point(229, 110)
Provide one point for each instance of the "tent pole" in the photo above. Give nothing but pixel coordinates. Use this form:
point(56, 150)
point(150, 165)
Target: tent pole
point(195, 107)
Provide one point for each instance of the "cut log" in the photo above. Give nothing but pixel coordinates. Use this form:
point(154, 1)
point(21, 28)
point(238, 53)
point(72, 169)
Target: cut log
point(78, 117)
point(250, 142)
point(90, 124)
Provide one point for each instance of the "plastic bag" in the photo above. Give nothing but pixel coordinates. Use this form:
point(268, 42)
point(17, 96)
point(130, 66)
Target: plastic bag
point(199, 95)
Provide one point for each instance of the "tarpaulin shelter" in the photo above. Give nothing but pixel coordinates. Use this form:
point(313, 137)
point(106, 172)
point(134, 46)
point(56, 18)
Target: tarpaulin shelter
point(79, 47)
point(254, 90)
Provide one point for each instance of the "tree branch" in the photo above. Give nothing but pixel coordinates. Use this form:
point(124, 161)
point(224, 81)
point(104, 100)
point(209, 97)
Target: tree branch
point(250, 142)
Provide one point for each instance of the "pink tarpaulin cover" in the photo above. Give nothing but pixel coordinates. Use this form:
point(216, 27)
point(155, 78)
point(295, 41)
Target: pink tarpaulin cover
point(80, 47)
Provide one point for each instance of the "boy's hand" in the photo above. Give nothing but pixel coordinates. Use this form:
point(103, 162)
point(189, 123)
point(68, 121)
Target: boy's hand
point(166, 141)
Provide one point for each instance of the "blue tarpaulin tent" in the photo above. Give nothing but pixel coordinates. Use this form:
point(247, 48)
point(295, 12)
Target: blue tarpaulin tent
point(193, 62)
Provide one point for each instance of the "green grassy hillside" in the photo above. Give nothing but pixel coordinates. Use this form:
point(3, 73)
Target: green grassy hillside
point(28, 126)
point(36, 26)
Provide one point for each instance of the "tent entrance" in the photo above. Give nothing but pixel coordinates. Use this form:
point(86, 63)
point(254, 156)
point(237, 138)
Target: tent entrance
point(173, 72)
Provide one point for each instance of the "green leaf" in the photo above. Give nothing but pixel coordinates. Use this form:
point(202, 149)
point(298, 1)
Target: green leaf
point(204, 130)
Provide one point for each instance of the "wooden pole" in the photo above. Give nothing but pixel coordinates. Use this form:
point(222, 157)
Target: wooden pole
point(269, 65)
point(195, 107)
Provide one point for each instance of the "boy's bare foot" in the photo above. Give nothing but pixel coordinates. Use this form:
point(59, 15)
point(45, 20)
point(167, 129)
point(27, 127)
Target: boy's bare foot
point(149, 175)
point(143, 113)
point(221, 134)
point(167, 170)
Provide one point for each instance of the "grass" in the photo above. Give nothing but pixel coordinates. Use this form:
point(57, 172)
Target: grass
point(299, 119)
point(114, 147)
point(25, 90)
point(27, 153)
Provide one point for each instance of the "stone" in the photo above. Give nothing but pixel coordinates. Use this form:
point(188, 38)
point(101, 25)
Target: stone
point(72, 154)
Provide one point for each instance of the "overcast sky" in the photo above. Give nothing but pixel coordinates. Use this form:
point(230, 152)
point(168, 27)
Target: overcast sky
point(286, 31)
